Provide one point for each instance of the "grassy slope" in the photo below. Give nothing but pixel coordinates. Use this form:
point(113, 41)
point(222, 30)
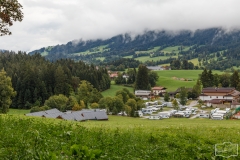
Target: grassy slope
point(148, 51)
point(95, 50)
point(147, 58)
point(114, 88)
point(18, 111)
point(166, 80)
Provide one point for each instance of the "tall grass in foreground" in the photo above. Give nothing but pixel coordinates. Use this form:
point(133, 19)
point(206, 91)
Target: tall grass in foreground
point(38, 138)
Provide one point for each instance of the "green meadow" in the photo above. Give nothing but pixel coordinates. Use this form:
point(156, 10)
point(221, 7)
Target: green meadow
point(118, 138)
point(173, 79)
point(113, 89)
point(148, 58)
point(94, 50)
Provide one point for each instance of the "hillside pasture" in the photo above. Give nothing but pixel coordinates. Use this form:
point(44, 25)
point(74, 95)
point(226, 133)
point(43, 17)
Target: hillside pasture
point(148, 58)
point(93, 50)
point(148, 51)
point(173, 79)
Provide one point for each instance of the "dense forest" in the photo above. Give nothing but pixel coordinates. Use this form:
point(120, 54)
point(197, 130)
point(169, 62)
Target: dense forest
point(215, 48)
point(35, 79)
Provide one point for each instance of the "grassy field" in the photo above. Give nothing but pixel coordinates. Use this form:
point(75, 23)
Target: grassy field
point(118, 138)
point(18, 111)
point(148, 51)
point(93, 50)
point(114, 88)
point(194, 61)
point(147, 58)
point(166, 78)
point(171, 49)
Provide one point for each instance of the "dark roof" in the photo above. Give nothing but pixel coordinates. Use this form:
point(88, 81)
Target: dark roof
point(51, 111)
point(216, 101)
point(86, 114)
point(101, 115)
point(89, 115)
point(218, 90)
point(38, 114)
point(53, 115)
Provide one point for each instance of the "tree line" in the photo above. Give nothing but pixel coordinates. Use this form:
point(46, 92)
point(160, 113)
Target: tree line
point(35, 79)
point(208, 79)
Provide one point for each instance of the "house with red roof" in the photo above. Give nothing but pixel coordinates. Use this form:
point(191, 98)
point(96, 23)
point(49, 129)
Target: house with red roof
point(158, 90)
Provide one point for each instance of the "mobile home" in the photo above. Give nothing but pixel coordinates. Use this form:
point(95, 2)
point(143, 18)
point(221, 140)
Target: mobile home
point(155, 116)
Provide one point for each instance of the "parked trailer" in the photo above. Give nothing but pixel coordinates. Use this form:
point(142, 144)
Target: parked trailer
point(147, 111)
point(155, 116)
point(217, 116)
point(203, 115)
point(221, 112)
point(164, 114)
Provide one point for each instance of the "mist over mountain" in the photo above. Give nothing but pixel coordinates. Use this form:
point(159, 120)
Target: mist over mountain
point(207, 41)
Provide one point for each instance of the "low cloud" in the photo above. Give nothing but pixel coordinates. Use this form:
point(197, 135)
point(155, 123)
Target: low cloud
point(49, 23)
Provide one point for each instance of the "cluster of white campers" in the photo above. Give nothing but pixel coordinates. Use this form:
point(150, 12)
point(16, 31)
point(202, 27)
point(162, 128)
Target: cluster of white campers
point(185, 111)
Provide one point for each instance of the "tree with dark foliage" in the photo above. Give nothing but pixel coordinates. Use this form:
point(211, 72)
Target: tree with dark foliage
point(10, 10)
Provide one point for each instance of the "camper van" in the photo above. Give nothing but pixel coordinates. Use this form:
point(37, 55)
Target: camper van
point(155, 116)
point(202, 115)
point(217, 116)
point(164, 114)
point(147, 111)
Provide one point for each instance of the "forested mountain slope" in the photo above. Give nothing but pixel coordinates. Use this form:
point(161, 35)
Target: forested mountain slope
point(210, 46)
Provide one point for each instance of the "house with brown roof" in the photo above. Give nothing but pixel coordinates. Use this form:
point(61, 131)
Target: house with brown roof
point(158, 90)
point(219, 95)
point(143, 94)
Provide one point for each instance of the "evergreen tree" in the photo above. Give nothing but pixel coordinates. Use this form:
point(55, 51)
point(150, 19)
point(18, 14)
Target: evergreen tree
point(142, 81)
point(234, 79)
point(210, 79)
point(204, 78)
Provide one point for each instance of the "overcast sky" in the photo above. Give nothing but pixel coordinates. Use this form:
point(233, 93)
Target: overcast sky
point(52, 22)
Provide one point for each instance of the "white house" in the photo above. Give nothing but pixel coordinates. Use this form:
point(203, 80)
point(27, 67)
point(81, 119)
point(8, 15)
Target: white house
point(143, 94)
point(219, 95)
point(159, 90)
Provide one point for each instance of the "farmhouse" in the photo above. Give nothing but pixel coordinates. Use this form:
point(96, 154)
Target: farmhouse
point(143, 94)
point(158, 90)
point(218, 96)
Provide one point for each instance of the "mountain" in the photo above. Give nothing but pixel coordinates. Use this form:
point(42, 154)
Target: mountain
point(213, 44)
